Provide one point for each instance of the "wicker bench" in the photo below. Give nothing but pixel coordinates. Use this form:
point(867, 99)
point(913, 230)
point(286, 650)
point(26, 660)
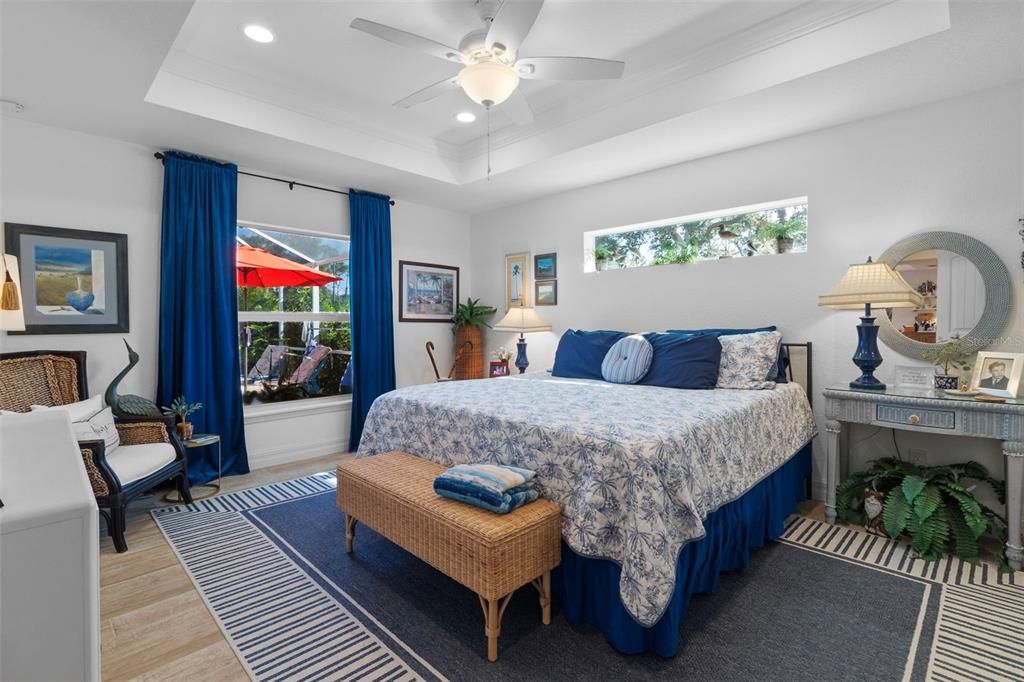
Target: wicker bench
point(491, 554)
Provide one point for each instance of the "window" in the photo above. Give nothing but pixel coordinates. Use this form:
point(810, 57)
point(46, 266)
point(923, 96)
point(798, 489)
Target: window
point(295, 340)
point(761, 230)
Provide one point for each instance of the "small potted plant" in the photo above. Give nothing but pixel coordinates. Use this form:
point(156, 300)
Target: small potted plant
point(935, 506)
point(949, 355)
point(782, 233)
point(181, 409)
point(467, 325)
point(499, 366)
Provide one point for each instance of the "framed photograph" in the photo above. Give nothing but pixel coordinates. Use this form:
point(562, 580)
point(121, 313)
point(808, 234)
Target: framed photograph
point(545, 266)
point(547, 292)
point(499, 368)
point(429, 292)
point(517, 280)
point(72, 281)
point(998, 373)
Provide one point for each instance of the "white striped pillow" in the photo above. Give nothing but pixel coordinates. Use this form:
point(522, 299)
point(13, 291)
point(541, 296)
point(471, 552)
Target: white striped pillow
point(628, 360)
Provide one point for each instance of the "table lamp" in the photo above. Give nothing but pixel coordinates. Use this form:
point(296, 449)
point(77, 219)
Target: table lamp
point(12, 312)
point(868, 284)
point(522, 319)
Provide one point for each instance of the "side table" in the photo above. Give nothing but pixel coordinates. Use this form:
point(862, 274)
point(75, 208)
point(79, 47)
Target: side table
point(201, 440)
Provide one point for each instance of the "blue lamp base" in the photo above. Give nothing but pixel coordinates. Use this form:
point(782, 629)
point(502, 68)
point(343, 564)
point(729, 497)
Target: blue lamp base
point(521, 362)
point(867, 357)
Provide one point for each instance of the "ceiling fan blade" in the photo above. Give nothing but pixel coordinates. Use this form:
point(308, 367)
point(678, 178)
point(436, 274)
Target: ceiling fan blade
point(512, 22)
point(428, 93)
point(406, 39)
point(568, 68)
point(517, 108)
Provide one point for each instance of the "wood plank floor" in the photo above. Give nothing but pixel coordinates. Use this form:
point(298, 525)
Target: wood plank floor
point(154, 624)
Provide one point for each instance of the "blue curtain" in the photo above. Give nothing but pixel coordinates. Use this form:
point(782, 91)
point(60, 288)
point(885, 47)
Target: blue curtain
point(199, 307)
point(373, 334)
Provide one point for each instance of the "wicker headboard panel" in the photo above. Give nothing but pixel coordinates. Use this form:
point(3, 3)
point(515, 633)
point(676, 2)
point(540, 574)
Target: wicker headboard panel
point(41, 378)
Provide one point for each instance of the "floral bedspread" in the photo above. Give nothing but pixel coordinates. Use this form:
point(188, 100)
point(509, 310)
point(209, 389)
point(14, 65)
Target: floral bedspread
point(634, 468)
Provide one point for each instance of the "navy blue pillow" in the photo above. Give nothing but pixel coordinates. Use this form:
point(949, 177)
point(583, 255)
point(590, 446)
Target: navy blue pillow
point(781, 365)
point(683, 360)
point(580, 353)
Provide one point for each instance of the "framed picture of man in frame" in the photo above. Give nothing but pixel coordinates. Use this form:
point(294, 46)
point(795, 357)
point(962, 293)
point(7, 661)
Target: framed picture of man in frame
point(998, 373)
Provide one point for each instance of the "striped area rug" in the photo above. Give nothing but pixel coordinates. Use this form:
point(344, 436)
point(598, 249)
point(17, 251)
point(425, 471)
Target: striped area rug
point(281, 622)
point(979, 633)
point(287, 621)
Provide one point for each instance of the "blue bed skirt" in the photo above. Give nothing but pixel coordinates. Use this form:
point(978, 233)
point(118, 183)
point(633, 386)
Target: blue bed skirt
point(588, 589)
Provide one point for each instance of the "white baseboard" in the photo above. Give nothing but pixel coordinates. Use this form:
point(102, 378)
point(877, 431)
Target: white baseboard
point(261, 459)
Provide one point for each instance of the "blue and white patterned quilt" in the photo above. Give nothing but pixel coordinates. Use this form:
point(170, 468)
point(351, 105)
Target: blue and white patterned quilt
point(634, 468)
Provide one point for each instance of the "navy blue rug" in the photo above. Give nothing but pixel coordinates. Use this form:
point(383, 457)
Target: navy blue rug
point(826, 602)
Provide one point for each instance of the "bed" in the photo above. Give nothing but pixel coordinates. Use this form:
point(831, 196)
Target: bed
point(660, 488)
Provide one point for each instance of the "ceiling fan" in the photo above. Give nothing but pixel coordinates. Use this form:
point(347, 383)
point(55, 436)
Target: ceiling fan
point(491, 65)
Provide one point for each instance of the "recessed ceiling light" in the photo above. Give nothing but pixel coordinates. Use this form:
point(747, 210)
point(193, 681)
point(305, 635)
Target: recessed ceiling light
point(465, 117)
point(261, 34)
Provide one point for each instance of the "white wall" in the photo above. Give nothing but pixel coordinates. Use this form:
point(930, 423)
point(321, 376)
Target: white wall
point(61, 178)
point(954, 165)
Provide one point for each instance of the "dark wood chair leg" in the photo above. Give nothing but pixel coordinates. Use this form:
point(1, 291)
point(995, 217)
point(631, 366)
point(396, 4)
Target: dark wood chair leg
point(117, 528)
point(184, 491)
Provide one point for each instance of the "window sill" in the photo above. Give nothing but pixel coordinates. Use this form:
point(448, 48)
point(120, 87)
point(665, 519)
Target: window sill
point(256, 414)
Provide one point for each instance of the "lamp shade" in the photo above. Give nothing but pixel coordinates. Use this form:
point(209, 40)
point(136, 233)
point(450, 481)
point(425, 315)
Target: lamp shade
point(12, 312)
point(488, 83)
point(871, 283)
point(522, 320)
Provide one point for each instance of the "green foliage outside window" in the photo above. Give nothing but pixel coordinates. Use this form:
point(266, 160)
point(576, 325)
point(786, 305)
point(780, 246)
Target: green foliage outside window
point(756, 233)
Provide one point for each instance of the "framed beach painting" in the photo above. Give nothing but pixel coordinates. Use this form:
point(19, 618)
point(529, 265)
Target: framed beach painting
point(429, 292)
point(545, 266)
point(547, 292)
point(517, 280)
point(72, 281)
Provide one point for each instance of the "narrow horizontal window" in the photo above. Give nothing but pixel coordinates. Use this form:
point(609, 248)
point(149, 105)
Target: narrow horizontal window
point(759, 230)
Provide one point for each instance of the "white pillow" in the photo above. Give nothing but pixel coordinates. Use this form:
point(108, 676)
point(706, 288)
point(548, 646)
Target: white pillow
point(98, 425)
point(747, 359)
point(80, 411)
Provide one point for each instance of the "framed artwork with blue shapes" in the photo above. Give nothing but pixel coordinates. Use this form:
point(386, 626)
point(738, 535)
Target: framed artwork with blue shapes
point(72, 281)
point(545, 266)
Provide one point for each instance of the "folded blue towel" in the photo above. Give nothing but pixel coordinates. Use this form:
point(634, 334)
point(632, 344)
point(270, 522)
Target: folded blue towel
point(496, 487)
point(511, 499)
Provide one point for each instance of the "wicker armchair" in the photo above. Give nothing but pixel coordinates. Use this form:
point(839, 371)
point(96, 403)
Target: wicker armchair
point(59, 378)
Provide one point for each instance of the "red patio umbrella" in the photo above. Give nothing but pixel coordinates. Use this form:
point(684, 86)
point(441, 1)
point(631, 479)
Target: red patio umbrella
point(260, 268)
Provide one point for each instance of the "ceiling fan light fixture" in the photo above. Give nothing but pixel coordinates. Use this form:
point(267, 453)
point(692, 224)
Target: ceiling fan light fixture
point(488, 83)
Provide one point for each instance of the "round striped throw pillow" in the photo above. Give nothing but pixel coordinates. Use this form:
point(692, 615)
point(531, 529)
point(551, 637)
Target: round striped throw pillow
point(628, 360)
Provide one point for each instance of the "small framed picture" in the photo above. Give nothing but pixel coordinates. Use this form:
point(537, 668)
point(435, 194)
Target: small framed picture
point(428, 292)
point(72, 281)
point(998, 373)
point(545, 266)
point(547, 292)
point(499, 368)
point(517, 280)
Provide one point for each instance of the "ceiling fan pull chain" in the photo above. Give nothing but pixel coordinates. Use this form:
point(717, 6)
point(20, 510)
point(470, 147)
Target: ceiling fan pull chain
point(488, 108)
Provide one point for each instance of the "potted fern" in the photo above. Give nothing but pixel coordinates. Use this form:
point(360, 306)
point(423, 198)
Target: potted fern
point(934, 505)
point(467, 325)
point(949, 355)
point(181, 409)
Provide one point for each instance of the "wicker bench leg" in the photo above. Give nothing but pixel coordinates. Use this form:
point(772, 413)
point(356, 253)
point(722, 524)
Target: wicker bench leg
point(493, 610)
point(543, 585)
point(350, 532)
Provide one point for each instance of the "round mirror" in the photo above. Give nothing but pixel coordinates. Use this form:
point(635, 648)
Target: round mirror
point(953, 293)
point(965, 287)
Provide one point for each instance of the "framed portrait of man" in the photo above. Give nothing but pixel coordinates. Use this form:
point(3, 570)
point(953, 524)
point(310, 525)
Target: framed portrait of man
point(998, 374)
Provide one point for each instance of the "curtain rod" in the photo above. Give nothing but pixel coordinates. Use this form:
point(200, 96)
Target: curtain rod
point(292, 184)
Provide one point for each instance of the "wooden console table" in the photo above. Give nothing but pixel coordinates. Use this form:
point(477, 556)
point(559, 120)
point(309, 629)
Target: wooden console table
point(932, 412)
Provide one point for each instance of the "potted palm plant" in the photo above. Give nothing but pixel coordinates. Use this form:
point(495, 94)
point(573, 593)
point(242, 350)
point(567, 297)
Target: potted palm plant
point(781, 233)
point(181, 409)
point(949, 355)
point(467, 325)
